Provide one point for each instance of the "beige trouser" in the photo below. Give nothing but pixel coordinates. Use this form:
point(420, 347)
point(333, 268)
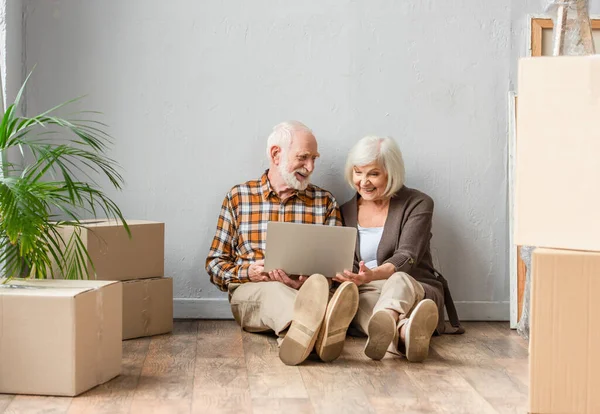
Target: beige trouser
point(400, 293)
point(269, 306)
point(263, 306)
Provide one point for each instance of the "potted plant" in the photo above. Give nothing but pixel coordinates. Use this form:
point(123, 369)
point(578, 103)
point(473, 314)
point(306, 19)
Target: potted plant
point(41, 189)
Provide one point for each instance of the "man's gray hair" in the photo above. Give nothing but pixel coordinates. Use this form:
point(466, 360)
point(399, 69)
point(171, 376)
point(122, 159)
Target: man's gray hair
point(283, 134)
point(382, 150)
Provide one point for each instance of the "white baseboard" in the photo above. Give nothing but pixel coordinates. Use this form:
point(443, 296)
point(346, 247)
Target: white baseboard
point(483, 311)
point(216, 308)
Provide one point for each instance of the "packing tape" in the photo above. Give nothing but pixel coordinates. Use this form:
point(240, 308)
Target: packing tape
point(1, 321)
point(146, 309)
point(7, 286)
point(100, 336)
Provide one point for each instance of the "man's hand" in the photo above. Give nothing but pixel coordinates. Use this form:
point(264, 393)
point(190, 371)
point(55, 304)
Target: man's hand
point(256, 272)
point(364, 275)
point(280, 276)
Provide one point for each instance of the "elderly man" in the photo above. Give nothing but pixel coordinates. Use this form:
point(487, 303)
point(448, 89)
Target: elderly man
point(297, 308)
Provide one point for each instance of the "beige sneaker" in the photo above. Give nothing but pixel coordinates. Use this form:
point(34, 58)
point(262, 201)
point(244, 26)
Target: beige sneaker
point(381, 331)
point(340, 312)
point(419, 328)
point(309, 311)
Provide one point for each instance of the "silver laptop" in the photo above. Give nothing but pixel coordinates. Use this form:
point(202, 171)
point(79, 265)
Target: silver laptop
point(306, 249)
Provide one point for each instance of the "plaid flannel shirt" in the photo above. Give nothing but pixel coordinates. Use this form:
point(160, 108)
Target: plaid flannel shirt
point(241, 233)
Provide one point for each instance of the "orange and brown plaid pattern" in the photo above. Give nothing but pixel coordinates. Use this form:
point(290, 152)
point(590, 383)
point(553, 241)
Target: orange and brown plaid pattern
point(242, 226)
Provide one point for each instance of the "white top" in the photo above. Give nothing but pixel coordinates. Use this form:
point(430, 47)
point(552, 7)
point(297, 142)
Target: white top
point(369, 238)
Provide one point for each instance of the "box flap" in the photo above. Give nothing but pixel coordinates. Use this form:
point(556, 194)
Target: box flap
point(49, 287)
point(112, 222)
point(543, 251)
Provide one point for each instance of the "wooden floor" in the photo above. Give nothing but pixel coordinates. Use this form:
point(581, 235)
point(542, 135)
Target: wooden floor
point(213, 367)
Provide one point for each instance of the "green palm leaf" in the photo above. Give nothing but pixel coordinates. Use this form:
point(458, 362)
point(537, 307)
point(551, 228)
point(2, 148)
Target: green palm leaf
point(53, 175)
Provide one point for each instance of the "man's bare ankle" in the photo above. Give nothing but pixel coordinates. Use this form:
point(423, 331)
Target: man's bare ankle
point(403, 332)
point(393, 314)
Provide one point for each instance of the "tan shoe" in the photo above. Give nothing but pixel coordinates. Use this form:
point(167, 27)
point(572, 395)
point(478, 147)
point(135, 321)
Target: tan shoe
point(381, 331)
point(419, 328)
point(309, 311)
point(340, 312)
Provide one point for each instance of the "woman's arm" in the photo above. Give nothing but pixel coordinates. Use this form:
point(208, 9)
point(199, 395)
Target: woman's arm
point(414, 239)
point(415, 236)
point(366, 275)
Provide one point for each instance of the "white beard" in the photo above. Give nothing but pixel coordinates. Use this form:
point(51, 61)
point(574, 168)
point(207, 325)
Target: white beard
point(290, 177)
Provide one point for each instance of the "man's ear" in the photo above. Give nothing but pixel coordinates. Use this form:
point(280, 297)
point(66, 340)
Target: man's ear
point(276, 154)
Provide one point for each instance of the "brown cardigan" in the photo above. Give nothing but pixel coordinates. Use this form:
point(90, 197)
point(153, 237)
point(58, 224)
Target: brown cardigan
point(405, 243)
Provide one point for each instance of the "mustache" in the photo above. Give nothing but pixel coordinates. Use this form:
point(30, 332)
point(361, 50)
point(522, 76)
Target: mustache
point(303, 171)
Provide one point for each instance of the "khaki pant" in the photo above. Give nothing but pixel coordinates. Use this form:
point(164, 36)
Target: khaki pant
point(269, 306)
point(263, 306)
point(400, 293)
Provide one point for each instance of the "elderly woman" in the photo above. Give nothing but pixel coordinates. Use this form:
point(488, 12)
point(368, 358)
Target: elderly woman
point(401, 295)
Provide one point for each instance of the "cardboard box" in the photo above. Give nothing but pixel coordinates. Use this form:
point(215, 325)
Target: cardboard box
point(557, 196)
point(564, 361)
point(116, 256)
point(59, 337)
point(147, 307)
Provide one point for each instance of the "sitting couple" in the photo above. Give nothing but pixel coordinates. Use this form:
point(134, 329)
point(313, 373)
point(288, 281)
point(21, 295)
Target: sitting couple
point(393, 294)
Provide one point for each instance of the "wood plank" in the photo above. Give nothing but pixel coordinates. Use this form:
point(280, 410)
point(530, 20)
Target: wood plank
point(34, 404)
point(221, 376)
point(5, 400)
point(116, 396)
point(222, 404)
point(332, 389)
point(483, 371)
point(282, 405)
point(267, 375)
point(497, 387)
point(498, 343)
point(161, 407)
point(447, 391)
point(516, 369)
point(168, 371)
point(219, 339)
point(221, 385)
point(398, 405)
point(336, 386)
point(378, 379)
point(475, 357)
point(173, 354)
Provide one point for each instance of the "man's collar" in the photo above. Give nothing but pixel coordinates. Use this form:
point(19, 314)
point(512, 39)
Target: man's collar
point(268, 191)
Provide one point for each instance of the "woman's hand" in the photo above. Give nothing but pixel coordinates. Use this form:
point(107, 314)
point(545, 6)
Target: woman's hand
point(364, 275)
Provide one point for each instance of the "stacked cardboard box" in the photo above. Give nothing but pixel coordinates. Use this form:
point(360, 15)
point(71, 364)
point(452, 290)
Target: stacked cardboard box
point(557, 206)
point(59, 337)
point(139, 263)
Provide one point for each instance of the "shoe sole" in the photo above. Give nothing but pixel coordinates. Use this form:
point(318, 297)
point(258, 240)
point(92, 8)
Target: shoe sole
point(309, 309)
point(381, 331)
point(419, 328)
point(340, 312)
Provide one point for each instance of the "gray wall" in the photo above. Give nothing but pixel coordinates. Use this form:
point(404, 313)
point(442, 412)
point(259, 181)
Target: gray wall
point(11, 48)
point(191, 90)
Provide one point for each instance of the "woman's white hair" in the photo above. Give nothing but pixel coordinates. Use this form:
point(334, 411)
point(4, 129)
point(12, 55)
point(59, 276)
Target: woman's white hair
point(385, 152)
point(283, 134)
